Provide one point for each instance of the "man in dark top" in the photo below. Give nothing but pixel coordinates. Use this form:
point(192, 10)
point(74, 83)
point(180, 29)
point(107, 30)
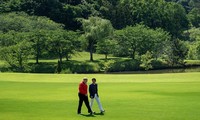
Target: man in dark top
point(83, 96)
point(93, 89)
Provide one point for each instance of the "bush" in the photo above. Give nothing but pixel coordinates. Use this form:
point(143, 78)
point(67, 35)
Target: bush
point(81, 67)
point(87, 68)
point(43, 68)
point(125, 65)
point(106, 65)
point(66, 71)
point(146, 60)
point(158, 64)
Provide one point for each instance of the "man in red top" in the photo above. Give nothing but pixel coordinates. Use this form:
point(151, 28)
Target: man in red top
point(83, 96)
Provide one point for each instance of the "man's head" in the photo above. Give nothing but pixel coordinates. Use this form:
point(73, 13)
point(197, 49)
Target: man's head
point(85, 80)
point(93, 80)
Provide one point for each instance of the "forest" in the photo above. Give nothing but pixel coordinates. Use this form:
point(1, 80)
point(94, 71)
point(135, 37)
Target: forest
point(131, 34)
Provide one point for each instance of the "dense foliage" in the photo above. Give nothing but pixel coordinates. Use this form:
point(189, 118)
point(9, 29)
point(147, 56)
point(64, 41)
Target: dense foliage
point(164, 30)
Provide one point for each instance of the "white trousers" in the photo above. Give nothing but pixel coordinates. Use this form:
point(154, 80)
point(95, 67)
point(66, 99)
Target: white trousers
point(98, 101)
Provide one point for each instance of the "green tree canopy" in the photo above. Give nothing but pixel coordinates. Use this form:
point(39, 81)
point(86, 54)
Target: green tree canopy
point(140, 39)
point(18, 52)
point(96, 29)
point(194, 17)
point(62, 43)
point(21, 22)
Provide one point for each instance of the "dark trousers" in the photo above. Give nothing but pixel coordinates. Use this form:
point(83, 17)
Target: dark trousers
point(86, 101)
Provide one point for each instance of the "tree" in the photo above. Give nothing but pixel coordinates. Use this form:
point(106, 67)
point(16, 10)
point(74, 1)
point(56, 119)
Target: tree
point(160, 39)
point(194, 3)
point(96, 29)
point(36, 27)
point(169, 16)
point(129, 39)
point(14, 21)
point(174, 19)
point(9, 5)
point(59, 68)
point(106, 47)
point(38, 38)
point(61, 11)
point(194, 17)
point(18, 54)
point(22, 22)
point(72, 44)
point(62, 43)
point(140, 39)
point(176, 52)
point(194, 43)
point(40, 29)
point(7, 39)
point(40, 7)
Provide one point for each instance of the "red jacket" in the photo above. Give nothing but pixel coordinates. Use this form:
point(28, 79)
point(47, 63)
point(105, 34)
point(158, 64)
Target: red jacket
point(83, 88)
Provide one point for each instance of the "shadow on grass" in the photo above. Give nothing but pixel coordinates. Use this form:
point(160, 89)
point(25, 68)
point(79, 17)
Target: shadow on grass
point(94, 115)
point(87, 115)
point(98, 113)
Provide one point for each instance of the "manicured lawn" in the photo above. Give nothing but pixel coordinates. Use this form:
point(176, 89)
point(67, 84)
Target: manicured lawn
point(79, 56)
point(130, 97)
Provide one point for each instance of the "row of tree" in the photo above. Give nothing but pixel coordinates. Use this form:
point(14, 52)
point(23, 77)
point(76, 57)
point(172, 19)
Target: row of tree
point(140, 29)
point(171, 15)
point(23, 37)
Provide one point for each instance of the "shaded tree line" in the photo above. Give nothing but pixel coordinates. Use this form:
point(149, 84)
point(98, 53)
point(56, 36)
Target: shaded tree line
point(171, 15)
point(24, 37)
point(139, 29)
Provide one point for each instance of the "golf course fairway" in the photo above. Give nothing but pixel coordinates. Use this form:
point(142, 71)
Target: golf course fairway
point(171, 96)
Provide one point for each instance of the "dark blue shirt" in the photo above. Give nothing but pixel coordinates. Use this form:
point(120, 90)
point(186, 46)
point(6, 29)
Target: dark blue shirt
point(93, 89)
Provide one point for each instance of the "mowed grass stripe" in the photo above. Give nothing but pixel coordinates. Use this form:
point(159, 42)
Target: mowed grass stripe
point(112, 78)
point(155, 99)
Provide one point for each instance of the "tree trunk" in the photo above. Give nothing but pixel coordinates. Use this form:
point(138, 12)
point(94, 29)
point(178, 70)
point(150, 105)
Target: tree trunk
point(91, 55)
point(106, 56)
point(133, 52)
point(59, 69)
point(37, 57)
point(67, 58)
point(60, 56)
point(38, 52)
point(133, 55)
point(20, 63)
point(91, 52)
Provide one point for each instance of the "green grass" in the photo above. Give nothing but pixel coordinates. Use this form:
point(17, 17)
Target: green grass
point(85, 56)
point(79, 63)
point(192, 62)
point(79, 56)
point(131, 97)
